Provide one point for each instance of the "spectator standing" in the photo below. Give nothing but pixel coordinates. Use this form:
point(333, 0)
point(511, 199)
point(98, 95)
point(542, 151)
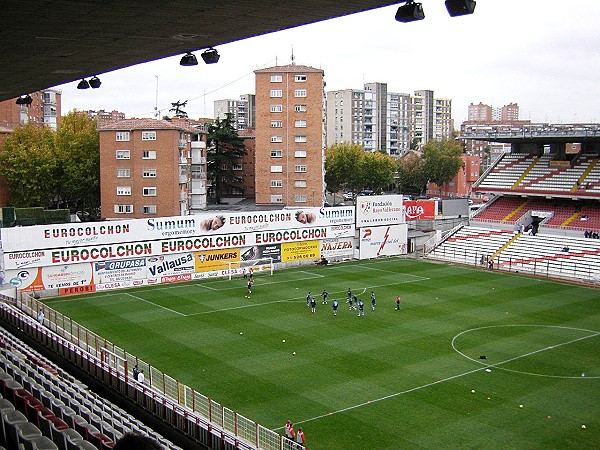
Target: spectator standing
point(41, 316)
point(141, 378)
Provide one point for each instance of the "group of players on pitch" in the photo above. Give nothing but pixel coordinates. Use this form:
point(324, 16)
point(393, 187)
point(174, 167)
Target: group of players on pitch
point(354, 303)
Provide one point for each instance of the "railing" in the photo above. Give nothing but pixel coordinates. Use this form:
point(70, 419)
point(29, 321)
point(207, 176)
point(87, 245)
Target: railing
point(159, 388)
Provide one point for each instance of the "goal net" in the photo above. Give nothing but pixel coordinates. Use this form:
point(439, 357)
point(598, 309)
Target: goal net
point(254, 266)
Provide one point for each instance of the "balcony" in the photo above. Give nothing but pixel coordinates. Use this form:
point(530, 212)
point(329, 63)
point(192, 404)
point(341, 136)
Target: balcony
point(182, 143)
point(198, 159)
point(198, 144)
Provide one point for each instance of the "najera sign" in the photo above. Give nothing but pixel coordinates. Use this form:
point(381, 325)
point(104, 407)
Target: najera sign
point(420, 209)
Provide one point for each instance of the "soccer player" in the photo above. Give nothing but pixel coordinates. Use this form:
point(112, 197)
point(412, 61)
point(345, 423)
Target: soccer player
point(355, 302)
point(349, 301)
point(249, 287)
point(373, 302)
point(398, 303)
point(325, 296)
point(313, 305)
point(308, 297)
point(361, 308)
point(334, 306)
point(349, 295)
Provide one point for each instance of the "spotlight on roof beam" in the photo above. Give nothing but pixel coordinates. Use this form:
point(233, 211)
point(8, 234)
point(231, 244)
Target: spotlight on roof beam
point(210, 56)
point(83, 84)
point(24, 100)
point(460, 7)
point(410, 12)
point(95, 82)
point(189, 59)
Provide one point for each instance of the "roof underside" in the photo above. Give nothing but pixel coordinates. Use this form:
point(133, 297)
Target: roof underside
point(46, 43)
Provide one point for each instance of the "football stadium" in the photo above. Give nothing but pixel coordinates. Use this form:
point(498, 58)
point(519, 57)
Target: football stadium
point(449, 339)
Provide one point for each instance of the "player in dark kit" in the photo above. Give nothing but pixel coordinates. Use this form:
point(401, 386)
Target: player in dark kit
point(325, 296)
point(373, 303)
point(361, 308)
point(334, 306)
point(313, 305)
point(308, 297)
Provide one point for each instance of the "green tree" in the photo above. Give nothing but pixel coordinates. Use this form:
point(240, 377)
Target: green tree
point(377, 170)
point(412, 176)
point(342, 163)
point(78, 153)
point(29, 166)
point(442, 161)
point(224, 148)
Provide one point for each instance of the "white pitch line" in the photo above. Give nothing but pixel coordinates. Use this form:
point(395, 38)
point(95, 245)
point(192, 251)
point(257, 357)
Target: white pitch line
point(453, 377)
point(313, 275)
point(252, 305)
point(154, 304)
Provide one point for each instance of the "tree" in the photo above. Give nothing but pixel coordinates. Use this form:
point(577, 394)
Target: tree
point(78, 153)
point(342, 163)
point(349, 167)
point(224, 148)
point(442, 161)
point(412, 175)
point(29, 165)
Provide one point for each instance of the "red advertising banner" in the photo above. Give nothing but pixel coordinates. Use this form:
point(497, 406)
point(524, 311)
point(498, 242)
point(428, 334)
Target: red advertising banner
point(420, 209)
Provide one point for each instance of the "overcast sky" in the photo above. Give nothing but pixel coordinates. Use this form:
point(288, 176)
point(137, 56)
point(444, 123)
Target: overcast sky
point(542, 54)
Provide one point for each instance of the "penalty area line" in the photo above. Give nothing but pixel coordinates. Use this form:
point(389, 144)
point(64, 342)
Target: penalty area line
point(154, 304)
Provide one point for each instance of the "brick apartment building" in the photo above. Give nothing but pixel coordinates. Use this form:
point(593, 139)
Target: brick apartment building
point(290, 136)
point(151, 167)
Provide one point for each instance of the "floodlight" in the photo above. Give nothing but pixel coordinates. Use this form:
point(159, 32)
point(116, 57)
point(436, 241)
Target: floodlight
point(95, 82)
point(460, 7)
point(189, 59)
point(83, 84)
point(210, 56)
point(410, 12)
point(24, 100)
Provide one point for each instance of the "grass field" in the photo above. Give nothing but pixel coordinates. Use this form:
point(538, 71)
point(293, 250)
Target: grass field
point(391, 379)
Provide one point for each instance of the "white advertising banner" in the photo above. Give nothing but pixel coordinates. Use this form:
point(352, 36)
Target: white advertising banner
point(376, 210)
point(139, 249)
point(336, 248)
point(383, 241)
point(42, 237)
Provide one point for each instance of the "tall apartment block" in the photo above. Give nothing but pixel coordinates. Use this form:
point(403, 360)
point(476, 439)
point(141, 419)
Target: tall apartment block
point(290, 136)
point(485, 113)
point(381, 120)
point(243, 111)
point(431, 118)
point(150, 168)
point(45, 109)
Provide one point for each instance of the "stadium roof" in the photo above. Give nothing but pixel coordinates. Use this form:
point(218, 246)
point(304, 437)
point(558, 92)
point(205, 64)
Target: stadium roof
point(51, 42)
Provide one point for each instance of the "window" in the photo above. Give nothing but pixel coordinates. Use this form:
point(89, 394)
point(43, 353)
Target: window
point(122, 135)
point(148, 135)
point(149, 173)
point(123, 190)
point(300, 123)
point(276, 93)
point(300, 108)
point(123, 209)
point(276, 183)
point(300, 78)
point(276, 138)
point(276, 169)
point(299, 138)
point(149, 154)
point(149, 192)
point(300, 198)
point(300, 153)
point(300, 183)
point(300, 93)
point(123, 173)
point(277, 198)
point(276, 153)
point(149, 209)
point(300, 168)
point(276, 123)
point(276, 108)
point(122, 154)
point(237, 166)
point(276, 78)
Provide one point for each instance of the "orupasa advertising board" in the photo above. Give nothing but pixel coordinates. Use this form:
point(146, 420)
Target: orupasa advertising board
point(87, 234)
point(376, 210)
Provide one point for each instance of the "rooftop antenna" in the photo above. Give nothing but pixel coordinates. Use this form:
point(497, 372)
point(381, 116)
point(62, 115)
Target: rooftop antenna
point(156, 111)
point(293, 63)
point(275, 60)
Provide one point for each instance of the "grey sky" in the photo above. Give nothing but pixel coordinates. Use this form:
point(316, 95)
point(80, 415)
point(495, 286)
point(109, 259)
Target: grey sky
point(541, 54)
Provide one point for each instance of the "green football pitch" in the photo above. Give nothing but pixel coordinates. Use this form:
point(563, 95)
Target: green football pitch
point(473, 359)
